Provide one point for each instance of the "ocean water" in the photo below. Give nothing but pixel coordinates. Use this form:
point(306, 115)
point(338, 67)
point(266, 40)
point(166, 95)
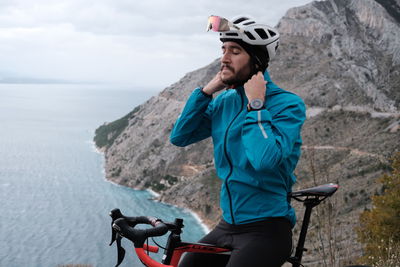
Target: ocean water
point(54, 199)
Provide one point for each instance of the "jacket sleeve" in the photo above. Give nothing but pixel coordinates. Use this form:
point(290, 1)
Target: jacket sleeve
point(194, 123)
point(268, 141)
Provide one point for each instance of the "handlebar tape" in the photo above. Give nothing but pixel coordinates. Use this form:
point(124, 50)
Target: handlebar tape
point(125, 226)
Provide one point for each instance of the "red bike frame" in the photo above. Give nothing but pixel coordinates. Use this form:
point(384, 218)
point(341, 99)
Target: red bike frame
point(177, 253)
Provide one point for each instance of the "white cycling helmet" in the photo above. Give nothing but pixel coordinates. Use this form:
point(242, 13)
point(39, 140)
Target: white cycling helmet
point(254, 34)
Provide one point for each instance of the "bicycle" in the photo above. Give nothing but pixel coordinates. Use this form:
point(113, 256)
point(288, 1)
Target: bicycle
point(124, 226)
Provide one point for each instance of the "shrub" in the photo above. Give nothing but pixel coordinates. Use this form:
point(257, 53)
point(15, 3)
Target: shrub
point(379, 228)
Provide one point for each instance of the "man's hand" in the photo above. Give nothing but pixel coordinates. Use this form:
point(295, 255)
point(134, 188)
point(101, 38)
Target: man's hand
point(255, 87)
point(214, 85)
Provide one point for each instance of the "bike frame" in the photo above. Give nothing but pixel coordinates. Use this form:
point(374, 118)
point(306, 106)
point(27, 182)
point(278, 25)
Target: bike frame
point(175, 247)
point(177, 253)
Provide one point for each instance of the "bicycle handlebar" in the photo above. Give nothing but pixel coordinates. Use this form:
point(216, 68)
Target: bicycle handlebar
point(125, 226)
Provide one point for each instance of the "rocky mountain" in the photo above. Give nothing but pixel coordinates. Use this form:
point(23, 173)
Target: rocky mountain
point(343, 58)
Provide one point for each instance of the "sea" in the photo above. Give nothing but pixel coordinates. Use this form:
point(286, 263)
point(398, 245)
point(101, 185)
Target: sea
point(54, 198)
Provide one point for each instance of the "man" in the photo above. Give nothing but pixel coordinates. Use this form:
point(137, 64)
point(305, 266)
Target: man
point(255, 127)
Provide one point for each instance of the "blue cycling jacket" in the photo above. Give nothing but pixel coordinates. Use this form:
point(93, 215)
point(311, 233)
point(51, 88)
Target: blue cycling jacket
point(255, 152)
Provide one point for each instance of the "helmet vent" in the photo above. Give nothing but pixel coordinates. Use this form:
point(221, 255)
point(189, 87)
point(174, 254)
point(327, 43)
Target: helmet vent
point(251, 37)
point(240, 20)
point(262, 33)
point(271, 33)
point(231, 34)
point(249, 23)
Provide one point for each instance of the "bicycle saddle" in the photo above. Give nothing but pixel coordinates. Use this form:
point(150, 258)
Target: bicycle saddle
point(325, 190)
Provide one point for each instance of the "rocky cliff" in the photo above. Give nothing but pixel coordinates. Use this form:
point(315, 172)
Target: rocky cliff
point(343, 58)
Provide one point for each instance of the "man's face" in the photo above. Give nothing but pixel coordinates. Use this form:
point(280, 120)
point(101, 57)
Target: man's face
point(235, 64)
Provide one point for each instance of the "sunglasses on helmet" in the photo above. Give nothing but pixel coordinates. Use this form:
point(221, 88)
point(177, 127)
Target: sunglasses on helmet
point(220, 24)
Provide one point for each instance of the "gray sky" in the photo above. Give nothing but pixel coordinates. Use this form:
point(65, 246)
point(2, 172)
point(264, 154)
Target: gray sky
point(150, 43)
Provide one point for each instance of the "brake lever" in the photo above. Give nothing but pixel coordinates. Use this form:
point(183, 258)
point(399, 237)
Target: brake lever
point(113, 234)
point(120, 250)
point(114, 214)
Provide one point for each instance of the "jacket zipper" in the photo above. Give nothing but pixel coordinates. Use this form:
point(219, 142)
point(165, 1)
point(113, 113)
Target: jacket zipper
point(229, 160)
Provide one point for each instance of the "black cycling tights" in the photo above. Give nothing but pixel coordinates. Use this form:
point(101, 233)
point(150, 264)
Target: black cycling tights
point(260, 244)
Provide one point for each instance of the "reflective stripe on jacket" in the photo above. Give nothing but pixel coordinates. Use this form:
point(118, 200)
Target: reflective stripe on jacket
point(255, 152)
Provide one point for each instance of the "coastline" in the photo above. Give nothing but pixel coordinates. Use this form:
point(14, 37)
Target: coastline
point(155, 196)
point(153, 193)
point(204, 226)
point(95, 148)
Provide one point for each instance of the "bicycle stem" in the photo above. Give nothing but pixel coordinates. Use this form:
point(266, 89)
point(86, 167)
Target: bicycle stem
point(174, 239)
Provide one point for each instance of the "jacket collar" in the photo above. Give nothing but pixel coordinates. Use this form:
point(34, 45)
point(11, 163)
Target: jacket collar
point(272, 88)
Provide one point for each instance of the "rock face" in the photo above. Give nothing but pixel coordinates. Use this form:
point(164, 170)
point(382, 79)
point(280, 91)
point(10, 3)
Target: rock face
point(341, 53)
point(343, 58)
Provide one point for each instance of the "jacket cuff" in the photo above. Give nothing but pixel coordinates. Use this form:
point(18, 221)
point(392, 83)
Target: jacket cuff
point(204, 93)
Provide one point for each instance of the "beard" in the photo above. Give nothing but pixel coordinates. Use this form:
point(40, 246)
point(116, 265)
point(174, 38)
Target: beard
point(238, 77)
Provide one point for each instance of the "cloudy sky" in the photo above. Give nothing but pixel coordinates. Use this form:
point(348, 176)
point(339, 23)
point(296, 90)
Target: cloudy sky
point(149, 43)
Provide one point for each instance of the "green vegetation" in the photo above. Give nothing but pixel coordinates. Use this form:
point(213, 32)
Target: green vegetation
point(158, 186)
point(379, 228)
point(155, 186)
point(106, 134)
point(171, 179)
point(115, 172)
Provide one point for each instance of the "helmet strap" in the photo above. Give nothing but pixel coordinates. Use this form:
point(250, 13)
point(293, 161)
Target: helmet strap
point(255, 66)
